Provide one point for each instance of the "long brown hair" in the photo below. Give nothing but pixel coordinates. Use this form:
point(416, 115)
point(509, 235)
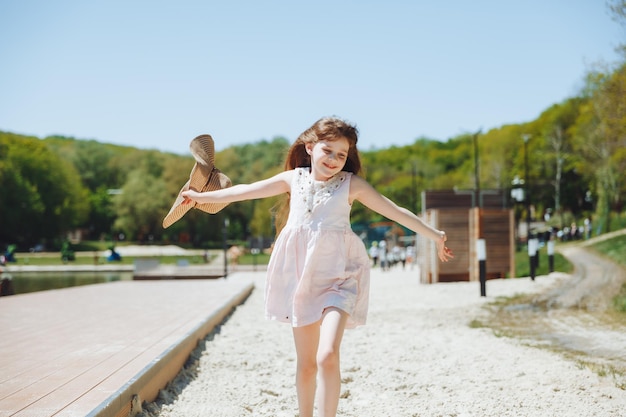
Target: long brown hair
point(325, 129)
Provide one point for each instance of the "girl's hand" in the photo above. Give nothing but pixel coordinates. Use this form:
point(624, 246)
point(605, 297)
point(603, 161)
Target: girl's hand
point(444, 253)
point(189, 196)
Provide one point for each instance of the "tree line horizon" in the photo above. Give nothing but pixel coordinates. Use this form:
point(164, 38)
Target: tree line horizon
point(574, 154)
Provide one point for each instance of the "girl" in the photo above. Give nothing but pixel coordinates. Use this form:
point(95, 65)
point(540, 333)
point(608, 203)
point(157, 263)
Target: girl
point(318, 273)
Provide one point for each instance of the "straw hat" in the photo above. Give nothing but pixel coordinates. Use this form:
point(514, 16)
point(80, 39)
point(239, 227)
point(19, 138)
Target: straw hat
point(204, 177)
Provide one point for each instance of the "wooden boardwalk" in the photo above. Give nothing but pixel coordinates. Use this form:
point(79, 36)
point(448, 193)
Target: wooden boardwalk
point(100, 350)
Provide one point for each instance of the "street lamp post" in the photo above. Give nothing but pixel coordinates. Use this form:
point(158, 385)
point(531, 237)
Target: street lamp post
point(532, 256)
point(481, 254)
point(531, 240)
point(225, 233)
point(477, 197)
point(526, 137)
point(517, 194)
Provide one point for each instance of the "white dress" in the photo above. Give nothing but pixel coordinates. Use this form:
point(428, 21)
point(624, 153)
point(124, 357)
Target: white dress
point(318, 261)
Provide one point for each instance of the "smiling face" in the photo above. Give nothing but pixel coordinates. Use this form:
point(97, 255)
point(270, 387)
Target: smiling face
point(328, 157)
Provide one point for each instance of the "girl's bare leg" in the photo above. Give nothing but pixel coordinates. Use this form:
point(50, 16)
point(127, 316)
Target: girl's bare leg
point(331, 332)
point(306, 339)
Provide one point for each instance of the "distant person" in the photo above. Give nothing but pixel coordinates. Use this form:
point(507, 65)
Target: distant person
point(383, 255)
point(318, 273)
point(587, 223)
point(373, 252)
point(411, 255)
point(402, 256)
point(114, 256)
point(9, 254)
point(234, 253)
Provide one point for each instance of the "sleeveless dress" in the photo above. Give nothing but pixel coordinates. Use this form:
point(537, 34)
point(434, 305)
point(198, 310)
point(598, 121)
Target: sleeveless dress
point(318, 261)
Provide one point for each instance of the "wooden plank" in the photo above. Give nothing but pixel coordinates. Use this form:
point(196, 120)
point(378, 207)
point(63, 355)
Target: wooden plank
point(79, 347)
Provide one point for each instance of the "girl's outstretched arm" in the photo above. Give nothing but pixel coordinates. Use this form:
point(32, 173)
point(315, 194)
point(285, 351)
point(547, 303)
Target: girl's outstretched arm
point(278, 184)
point(362, 191)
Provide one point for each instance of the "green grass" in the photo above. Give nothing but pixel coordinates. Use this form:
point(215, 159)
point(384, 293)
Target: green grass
point(522, 265)
point(614, 249)
point(88, 258)
point(619, 302)
point(88, 253)
point(249, 259)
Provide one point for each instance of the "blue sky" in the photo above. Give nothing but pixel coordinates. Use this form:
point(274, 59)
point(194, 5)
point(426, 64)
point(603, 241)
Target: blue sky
point(154, 74)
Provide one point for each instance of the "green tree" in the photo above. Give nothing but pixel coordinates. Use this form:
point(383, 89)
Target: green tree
point(42, 197)
point(141, 206)
point(601, 138)
point(246, 164)
point(92, 160)
point(560, 164)
point(101, 213)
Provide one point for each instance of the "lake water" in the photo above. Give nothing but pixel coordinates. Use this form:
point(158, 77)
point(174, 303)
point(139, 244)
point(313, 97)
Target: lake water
point(25, 282)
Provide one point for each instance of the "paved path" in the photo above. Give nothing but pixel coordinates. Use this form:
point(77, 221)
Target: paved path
point(595, 281)
point(93, 350)
point(422, 353)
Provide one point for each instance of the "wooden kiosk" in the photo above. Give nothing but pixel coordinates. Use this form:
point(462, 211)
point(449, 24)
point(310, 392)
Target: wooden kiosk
point(466, 220)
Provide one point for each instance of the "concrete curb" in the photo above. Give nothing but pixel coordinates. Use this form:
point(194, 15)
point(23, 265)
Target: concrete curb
point(145, 386)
